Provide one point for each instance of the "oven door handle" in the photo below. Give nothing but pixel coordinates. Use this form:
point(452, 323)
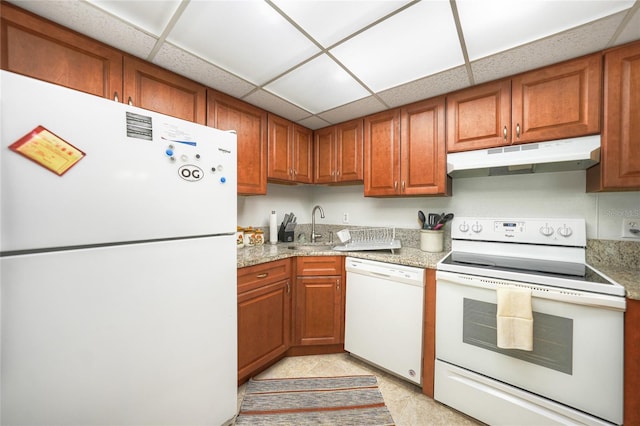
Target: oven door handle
point(575, 297)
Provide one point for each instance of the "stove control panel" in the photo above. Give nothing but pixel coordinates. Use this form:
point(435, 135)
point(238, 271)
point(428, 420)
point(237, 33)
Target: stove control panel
point(556, 231)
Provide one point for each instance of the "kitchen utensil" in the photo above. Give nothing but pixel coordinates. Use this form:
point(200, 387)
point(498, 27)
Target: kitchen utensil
point(433, 219)
point(445, 218)
point(422, 218)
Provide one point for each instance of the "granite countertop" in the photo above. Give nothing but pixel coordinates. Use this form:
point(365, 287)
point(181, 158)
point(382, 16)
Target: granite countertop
point(628, 277)
point(248, 256)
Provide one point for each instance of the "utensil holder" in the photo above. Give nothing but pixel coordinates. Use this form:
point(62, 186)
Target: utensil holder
point(431, 241)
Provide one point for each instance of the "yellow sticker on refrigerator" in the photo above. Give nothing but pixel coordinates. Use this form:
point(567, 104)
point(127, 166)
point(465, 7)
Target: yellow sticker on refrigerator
point(48, 149)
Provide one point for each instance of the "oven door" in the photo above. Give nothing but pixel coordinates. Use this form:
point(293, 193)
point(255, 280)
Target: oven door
point(577, 358)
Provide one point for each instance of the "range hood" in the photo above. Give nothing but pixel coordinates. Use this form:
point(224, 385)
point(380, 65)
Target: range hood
point(552, 156)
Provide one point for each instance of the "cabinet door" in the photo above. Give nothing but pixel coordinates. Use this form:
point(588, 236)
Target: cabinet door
point(479, 117)
point(619, 167)
point(349, 151)
point(325, 155)
point(156, 89)
point(423, 151)
point(279, 147)
point(38, 48)
point(556, 102)
point(264, 326)
point(302, 154)
point(250, 124)
point(318, 310)
point(382, 153)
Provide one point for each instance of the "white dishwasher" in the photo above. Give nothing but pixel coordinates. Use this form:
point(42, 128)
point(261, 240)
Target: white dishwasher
point(383, 317)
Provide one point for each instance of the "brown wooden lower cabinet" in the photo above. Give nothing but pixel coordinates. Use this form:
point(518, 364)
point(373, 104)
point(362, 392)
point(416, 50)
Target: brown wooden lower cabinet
point(319, 296)
point(264, 316)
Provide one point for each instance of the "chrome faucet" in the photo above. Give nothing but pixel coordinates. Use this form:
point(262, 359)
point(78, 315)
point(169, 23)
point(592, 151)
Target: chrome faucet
point(315, 236)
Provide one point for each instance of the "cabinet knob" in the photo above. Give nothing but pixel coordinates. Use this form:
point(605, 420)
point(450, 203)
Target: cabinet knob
point(263, 275)
point(518, 130)
point(395, 186)
point(504, 132)
point(115, 97)
point(130, 101)
point(402, 186)
point(338, 284)
point(288, 287)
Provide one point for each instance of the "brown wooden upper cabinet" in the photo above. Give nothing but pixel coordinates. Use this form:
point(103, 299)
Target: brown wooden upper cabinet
point(156, 89)
point(250, 123)
point(554, 102)
point(38, 48)
point(290, 151)
point(619, 167)
point(338, 153)
point(404, 151)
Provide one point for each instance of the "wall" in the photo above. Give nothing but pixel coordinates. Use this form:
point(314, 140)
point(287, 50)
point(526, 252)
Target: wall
point(538, 195)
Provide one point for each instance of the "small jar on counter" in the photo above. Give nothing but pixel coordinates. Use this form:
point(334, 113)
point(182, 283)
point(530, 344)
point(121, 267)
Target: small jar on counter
point(240, 237)
point(258, 239)
point(249, 236)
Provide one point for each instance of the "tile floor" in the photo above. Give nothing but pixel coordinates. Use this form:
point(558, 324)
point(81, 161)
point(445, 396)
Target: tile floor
point(407, 404)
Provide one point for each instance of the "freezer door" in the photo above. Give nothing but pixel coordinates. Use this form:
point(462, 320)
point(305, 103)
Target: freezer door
point(143, 175)
point(136, 334)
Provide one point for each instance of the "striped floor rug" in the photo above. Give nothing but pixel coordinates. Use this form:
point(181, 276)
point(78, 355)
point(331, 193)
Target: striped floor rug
point(345, 400)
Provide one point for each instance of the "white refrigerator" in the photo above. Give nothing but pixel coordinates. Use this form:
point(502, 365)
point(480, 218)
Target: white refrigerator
point(117, 263)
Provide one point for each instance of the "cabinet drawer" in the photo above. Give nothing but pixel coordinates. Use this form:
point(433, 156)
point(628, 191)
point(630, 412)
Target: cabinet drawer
point(319, 265)
point(252, 277)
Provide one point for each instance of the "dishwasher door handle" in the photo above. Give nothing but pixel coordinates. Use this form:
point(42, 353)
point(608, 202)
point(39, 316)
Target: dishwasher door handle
point(378, 274)
point(370, 274)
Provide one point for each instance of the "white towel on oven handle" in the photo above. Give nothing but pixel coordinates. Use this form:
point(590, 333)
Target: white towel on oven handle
point(514, 318)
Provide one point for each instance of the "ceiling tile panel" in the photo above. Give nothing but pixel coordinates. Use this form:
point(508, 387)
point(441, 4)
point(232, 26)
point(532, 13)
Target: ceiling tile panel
point(313, 122)
point(318, 85)
point(418, 41)
point(631, 31)
point(151, 16)
point(569, 44)
point(492, 26)
point(359, 108)
point(247, 38)
point(276, 105)
point(195, 68)
point(331, 21)
point(428, 87)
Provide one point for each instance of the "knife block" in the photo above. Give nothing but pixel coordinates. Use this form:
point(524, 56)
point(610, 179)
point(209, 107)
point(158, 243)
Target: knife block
point(285, 236)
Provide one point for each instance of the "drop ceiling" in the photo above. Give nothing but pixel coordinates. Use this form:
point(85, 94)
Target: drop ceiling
point(323, 62)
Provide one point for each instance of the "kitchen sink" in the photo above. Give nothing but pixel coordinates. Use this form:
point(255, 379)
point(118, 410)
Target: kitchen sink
point(310, 247)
